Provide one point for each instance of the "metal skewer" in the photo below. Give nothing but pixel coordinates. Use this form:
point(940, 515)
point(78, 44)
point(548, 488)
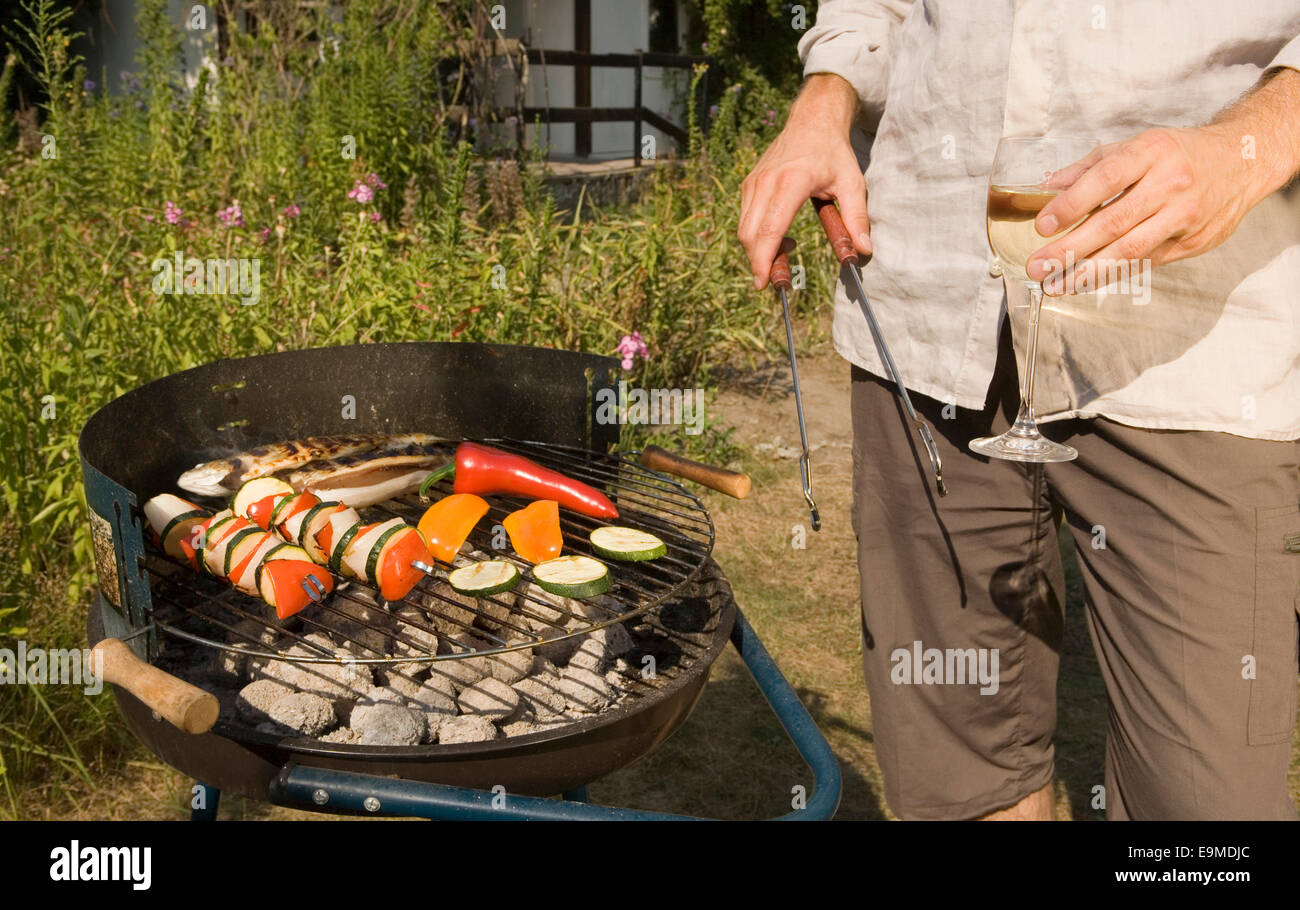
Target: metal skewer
point(780, 276)
point(845, 252)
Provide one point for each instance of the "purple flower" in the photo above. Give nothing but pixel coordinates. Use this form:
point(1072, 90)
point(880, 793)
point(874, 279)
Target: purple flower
point(172, 212)
point(704, 46)
point(713, 110)
point(632, 346)
point(232, 215)
point(292, 211)
point(89, 85)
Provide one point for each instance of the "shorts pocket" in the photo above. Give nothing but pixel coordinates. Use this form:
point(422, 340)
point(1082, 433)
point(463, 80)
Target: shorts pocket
point(1277, 585)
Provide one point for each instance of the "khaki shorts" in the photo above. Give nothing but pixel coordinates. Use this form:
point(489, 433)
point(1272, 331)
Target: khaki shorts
point(1192, 608)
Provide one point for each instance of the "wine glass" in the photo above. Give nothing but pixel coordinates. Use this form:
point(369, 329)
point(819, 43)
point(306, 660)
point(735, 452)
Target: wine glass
point(1027, 174)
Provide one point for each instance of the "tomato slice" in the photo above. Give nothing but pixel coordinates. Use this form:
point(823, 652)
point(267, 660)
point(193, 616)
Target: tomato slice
point(259, 513)
point(237, 573)
point(301, 503)
point(397, 575)
point(287, 577)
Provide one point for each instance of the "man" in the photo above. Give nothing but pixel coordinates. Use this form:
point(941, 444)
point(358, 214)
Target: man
point(1179, 386)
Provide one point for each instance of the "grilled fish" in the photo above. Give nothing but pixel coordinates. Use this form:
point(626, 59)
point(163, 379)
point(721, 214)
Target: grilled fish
point(225, 475)
point(366, 478)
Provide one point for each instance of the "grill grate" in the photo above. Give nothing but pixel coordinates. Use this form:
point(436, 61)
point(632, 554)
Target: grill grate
point(197, 608)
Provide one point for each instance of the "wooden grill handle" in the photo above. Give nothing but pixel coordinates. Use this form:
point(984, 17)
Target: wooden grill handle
point(836, 232)
point(733, 483)
point(186, 707)
point(780, 274)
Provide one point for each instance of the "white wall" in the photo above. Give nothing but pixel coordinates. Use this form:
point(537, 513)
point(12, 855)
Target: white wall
point(617, 26)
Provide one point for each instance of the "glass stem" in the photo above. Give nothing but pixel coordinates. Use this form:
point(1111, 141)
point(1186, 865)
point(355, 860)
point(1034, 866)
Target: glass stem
point(1025, 425)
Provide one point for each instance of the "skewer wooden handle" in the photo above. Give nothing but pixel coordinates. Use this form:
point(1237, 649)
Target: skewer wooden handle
point(186, 707)
point(732, 483)
point(780, 274)
point(836, 232)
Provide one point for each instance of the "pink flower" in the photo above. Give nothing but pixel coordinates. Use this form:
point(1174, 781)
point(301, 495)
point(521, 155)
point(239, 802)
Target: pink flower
point(373, 180)
point(266, 234)
point(172, 212)
point(375, 216)
point(630, 347)
point(292, 211)
point(362, 193)
point(232, 215)
point(148, 217)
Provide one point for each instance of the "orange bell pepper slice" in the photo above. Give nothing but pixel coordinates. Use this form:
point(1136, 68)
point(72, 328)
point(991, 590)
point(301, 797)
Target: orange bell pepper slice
point(535, 531)
point(447, 523)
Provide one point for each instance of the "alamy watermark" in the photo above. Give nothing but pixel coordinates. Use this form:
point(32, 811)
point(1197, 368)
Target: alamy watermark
point(1125, 277)
point(921, 666)
point(191, 275)
point(75, 863)
point(651, 406)
point(24, 666)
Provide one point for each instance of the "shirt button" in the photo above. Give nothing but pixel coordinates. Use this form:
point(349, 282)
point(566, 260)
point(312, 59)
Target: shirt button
point(995, 267)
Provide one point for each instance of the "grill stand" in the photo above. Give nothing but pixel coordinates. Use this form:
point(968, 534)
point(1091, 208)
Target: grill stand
point(321, 789)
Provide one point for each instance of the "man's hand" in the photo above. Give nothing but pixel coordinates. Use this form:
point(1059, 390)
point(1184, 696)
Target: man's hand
point(811, 157)
point(1180, 192)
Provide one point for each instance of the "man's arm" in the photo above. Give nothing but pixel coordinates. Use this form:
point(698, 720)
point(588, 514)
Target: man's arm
point(812, 155)
point(1184, 191)
point(846, 58)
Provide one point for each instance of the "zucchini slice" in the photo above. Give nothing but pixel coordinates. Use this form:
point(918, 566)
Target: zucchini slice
point(572, 576)
point(245, 572)
point(482, 579)
point(376, 548)
point(627, 544)
point(219, 537)
point(356, 556)
point(340, 530)
point(179, 529)
point(315, 519)
point(241, 544)
point(290, 513)
point(256, 490)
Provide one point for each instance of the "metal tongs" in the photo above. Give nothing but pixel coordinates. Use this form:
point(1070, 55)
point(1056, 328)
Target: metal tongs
point(847, 254)
point(780, 276)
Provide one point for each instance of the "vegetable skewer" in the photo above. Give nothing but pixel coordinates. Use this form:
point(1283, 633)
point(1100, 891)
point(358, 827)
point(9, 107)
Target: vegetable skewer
point(256, 562)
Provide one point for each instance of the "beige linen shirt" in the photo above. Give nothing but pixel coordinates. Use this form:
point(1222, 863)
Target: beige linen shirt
point(1208, 343)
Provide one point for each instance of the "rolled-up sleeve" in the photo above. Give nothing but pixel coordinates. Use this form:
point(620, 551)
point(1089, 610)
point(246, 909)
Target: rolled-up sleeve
point(852, 39)
point(1289, 56)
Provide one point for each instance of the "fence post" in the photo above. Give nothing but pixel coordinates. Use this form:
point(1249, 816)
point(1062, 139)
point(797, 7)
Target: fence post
point(636, 103)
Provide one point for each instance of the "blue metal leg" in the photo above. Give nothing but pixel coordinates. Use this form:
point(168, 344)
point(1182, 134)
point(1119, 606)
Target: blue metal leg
point(204, 801)
point(321, 789)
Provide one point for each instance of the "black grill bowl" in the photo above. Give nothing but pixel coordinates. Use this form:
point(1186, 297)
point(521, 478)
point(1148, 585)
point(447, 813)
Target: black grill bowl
point(139, 443)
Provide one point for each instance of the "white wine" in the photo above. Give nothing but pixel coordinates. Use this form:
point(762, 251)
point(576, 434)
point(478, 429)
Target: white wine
point(1012, 235)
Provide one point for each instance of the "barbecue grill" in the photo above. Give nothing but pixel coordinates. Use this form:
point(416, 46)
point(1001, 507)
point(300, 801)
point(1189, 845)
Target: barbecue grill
point(678, 610)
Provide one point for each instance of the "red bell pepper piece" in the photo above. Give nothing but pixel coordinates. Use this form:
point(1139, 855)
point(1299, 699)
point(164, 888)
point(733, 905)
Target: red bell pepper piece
point(487, 471)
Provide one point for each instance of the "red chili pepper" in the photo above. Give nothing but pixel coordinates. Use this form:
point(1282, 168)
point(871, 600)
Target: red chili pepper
point(487, 471)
